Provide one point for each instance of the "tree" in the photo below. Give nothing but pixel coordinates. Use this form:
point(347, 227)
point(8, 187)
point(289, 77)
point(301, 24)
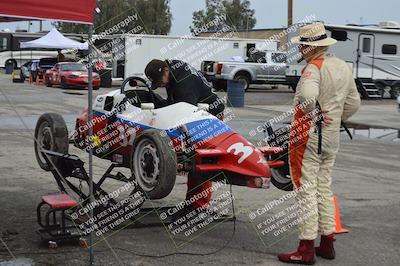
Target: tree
point(202, 18)
point(153, 15)
point(237, 14)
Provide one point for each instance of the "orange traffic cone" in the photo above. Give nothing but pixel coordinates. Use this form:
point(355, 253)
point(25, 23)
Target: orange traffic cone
point(339, 228)
point(37, 79)
point(30, 78)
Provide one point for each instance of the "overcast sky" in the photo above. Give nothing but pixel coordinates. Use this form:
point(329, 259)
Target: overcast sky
point(273, 13)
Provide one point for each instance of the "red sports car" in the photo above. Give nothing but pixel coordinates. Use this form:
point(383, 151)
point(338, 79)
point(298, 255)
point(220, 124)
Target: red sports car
point(70, 75)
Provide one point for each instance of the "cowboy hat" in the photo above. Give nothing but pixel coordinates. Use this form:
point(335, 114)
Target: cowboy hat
point(313, 35)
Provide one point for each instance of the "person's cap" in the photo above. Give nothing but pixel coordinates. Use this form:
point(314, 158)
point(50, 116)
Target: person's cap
point(313, 35)
point(154, 72)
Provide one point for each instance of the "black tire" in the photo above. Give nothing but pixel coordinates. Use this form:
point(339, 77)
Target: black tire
point(48, 84)
point(96, 88)
point(63, 83)
point(381, 89)
point(11, 61)
point(153, 154)
point(395, 91)
point(51, 133)
point(281, 178)
point(244, 78)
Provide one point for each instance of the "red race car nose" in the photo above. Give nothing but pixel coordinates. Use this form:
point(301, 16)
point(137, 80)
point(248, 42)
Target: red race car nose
point(234, 153)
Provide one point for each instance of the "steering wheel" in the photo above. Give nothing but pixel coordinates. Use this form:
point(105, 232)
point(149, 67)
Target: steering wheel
point(133, 81)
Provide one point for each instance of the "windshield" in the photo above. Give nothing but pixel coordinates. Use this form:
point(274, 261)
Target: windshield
point(73, 67)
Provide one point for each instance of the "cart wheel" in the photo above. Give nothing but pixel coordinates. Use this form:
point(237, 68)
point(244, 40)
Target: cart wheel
point(153, 163)
point(83, 243)
point(51, 133)
point(53, 245)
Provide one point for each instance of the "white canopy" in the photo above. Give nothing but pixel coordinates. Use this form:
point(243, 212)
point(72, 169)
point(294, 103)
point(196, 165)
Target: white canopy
point(54, 40)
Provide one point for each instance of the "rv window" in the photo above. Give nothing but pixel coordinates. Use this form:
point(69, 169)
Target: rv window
point(236, 45)
point(366, 45)
point(389, 49)
point(3, 44)
point(339, 35)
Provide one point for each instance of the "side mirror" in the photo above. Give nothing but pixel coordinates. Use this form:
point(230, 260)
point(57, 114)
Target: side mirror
point(147, 106)
point(203, 106)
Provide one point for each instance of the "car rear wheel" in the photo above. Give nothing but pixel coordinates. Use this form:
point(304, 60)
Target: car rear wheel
point(153, 163)
point(51, 133)
point(395, 91)
point(245, 79)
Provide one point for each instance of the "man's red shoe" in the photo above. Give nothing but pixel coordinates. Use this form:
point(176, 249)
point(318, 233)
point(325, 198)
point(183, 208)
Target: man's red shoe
point(326, 249)
point(305, 254)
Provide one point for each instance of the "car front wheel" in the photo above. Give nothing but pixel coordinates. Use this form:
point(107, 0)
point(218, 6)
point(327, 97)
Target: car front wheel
point(48, 84)
point(153, 163)
point(63, 83)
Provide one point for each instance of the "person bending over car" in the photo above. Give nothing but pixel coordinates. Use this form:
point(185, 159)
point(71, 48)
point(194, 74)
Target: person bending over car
point(185, 84)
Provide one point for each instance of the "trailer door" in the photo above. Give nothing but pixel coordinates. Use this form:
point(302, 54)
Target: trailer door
point(366, 54)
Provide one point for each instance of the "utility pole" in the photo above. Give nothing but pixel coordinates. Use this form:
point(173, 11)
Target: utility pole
point(290, 13)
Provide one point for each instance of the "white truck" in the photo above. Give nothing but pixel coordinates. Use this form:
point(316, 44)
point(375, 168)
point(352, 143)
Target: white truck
point(261, 67)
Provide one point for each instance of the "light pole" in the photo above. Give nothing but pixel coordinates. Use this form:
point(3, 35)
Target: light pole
point(290, 13)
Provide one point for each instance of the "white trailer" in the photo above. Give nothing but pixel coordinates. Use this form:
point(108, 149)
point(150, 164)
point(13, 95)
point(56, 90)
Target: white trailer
point(141, 49)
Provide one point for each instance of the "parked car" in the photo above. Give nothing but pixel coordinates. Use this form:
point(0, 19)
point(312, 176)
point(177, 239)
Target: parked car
point(263, 67)
point(39, 67)
point(26, 70)
point(70, 75)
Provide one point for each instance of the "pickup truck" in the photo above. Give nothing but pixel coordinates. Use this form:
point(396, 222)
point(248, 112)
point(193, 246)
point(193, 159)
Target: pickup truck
point(266, 67)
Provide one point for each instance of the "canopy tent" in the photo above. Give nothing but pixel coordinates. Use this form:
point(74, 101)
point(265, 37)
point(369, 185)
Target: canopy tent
point(55, 40)
point(78, 11)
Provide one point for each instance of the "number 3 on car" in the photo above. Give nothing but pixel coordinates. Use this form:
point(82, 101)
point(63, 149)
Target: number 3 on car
point(241, 148)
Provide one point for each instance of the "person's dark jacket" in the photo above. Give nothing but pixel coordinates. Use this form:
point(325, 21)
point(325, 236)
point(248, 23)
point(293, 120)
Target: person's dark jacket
point(186, 84)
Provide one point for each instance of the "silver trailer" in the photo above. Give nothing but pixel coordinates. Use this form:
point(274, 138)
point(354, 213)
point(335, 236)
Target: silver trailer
point(373, 53)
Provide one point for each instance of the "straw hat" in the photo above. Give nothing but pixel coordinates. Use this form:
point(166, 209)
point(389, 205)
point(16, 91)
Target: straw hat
point(313, 35)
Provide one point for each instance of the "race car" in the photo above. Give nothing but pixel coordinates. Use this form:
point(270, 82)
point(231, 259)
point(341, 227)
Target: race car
point(70, 75)
point(134, 128)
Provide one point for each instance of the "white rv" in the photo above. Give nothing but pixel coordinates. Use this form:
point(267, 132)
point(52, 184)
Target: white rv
point(141, 49)
point(373, 52)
